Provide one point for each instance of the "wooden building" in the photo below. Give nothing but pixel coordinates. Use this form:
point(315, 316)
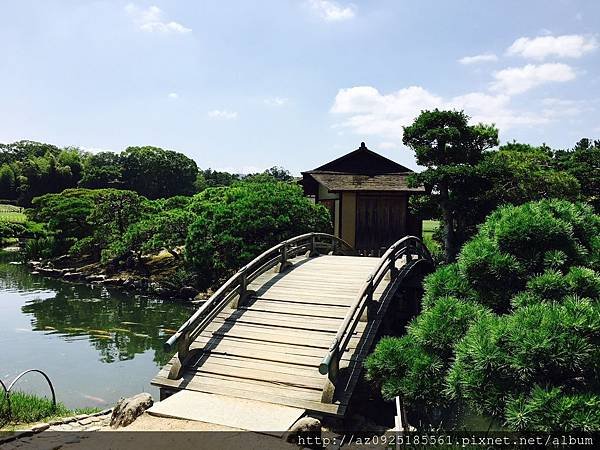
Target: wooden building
point(367, 195)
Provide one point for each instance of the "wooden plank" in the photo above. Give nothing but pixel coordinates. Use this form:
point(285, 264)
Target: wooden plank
point(264, 387)
point(290, 324)
point(270, 366)
point(336, 409)
point(275, 317)
point(248, 373)
point(276, 332)
point(298, 356)
point(284, 307)
point(271, 329)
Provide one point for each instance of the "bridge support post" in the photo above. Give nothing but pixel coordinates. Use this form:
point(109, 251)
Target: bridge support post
point(330, 379)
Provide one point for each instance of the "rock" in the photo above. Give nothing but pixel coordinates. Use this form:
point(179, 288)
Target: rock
point(92, 278)
point(73, 276)
point(113, 281)
point(128, 409)
point(305, 427)
point(188, 292)
point(50, 272)
point(40, 427)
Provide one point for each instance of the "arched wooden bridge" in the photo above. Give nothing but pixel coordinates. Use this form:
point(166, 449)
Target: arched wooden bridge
point(292, 327)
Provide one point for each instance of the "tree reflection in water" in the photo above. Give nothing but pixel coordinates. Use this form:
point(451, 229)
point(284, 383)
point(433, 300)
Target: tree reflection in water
point(118, 324)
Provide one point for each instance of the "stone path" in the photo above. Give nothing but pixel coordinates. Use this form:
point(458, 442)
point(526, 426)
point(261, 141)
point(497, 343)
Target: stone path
point(37, 435)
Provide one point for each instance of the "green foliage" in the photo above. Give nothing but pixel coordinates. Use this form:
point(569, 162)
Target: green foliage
point(519, 310)
point(66, 214)
point(162, 230)
point(450, 149)
point(8, 182)
point(42, 247)
point(414, 365)
point(446, 281)
point(30, 408)
point(102, 170)
point(155, 173)
point(468, 181)
point(583, 163)
point(235, 224)
point(504, 357)
point(114, 212)
point(539, 411)
point(11, 230)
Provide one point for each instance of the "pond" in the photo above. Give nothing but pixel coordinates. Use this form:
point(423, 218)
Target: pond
point(95, 343)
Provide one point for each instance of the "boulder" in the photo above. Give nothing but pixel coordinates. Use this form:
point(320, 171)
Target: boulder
point(305, 427)
point(128, 409)
point(188, 292)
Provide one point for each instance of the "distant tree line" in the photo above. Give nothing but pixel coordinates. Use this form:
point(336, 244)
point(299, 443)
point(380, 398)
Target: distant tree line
point(30, 169)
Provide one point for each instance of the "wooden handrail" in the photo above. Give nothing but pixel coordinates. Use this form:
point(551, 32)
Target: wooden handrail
point(408, 245)
point(237, 285)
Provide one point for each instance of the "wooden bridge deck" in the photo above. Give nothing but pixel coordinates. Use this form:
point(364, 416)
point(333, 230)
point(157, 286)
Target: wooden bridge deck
point(270, 348)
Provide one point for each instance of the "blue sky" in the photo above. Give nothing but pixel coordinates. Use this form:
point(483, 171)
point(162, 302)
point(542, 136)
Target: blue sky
point(245, 85)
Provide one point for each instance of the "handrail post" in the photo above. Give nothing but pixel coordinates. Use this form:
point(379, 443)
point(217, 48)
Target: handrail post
point(313, 246)
point(183, 353)
point(240, 300)
point(369, 303)
point(285, 264)
point(332, 374)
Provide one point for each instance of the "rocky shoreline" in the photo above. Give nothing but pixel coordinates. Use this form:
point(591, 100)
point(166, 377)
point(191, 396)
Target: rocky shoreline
point(94, 274)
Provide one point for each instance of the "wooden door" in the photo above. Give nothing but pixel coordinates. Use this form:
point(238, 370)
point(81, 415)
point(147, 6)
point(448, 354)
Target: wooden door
point(380, 220)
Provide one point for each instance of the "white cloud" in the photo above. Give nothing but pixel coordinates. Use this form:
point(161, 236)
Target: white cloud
point(276, 101)
point(372, 113)
point(515, 80)
point(152, 20)
point(173, 95)
point(557, 107)
point(222, 114)
point(566, 46)
point(484, 57)
point(365, 111)
point(332, 11)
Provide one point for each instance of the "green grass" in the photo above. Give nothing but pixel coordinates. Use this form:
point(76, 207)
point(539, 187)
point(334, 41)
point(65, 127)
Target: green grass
point(429, 226)
point(30, 408)
point(12, 213)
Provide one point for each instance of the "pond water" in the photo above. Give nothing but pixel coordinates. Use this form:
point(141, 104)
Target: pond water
point(95, 343)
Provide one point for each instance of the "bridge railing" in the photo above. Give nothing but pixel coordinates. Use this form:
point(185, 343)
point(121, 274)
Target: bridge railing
point(363, 307)
point(235, 289)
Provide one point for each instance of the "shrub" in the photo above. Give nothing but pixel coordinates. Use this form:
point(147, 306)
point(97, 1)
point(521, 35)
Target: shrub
point(414, 365)
point(237, 223)
point(520, 309)
point(446, 281)
point(543, 408)
point(504, 357)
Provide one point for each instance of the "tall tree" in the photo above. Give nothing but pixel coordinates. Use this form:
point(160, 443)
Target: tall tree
point(583, 162)
point(450, 149)
point(155, 173)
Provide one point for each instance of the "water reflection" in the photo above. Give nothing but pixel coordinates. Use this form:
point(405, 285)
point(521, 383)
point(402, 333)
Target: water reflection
point(118, 326)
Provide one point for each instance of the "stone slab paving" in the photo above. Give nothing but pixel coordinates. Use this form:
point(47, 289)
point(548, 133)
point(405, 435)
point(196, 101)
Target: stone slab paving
point(40, 436)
